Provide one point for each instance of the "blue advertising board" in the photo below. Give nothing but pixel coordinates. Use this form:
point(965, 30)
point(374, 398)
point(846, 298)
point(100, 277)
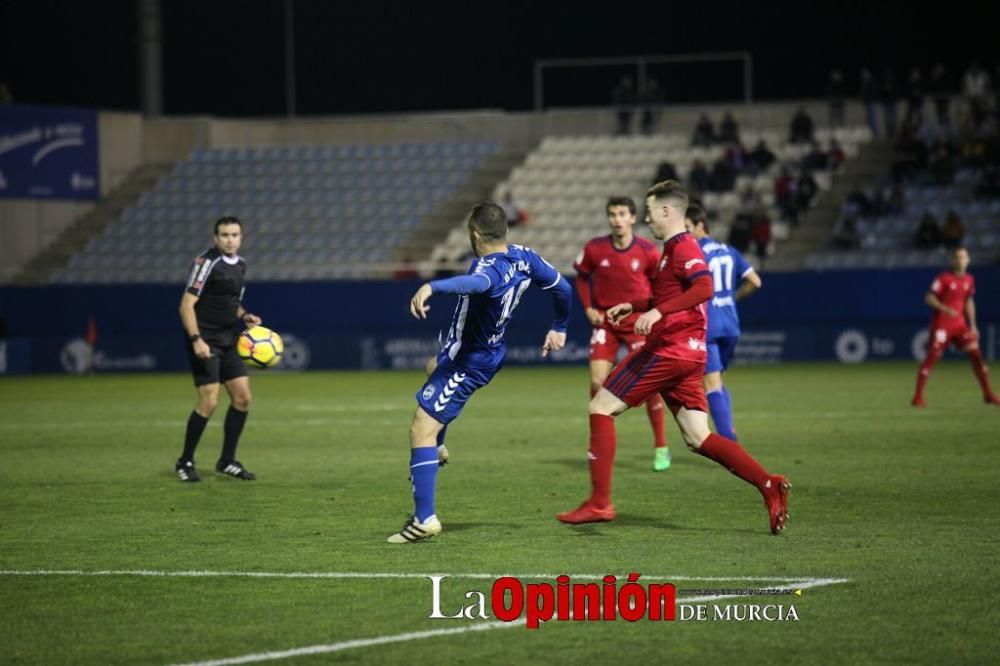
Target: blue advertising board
point(48, 153)
point(851, 317)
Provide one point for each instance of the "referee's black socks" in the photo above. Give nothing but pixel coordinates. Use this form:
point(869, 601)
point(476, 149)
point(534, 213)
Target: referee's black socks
point(235, 420)
point(196, 426)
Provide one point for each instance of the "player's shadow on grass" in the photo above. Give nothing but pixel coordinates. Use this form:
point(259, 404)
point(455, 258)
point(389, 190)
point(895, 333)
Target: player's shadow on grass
point(640, 520)
point(458, 527)
point(630, 463)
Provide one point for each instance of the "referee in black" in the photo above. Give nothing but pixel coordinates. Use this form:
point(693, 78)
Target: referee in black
point(211, 312)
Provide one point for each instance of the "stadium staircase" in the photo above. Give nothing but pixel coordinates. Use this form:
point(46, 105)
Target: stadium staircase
point(75, 239)
point(813, 233)
point(436, 225)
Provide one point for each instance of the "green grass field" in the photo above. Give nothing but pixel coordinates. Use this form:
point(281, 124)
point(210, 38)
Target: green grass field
point(904, 504)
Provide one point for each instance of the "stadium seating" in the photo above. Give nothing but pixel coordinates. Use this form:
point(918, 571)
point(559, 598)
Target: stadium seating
point(310, 212)
point(889, 241)
point(565, 182)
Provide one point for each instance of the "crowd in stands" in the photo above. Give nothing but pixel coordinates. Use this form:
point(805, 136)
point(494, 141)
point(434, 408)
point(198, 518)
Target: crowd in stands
point(956, 157)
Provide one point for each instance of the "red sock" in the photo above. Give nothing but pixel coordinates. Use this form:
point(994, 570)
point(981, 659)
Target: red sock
point(925, 370)
point(982, 373)
point(602, 458)
point(655, 410)
point(735, 458)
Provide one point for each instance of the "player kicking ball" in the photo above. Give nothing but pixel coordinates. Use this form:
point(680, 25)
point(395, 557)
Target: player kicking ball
point(672, 363)
point(474, 349)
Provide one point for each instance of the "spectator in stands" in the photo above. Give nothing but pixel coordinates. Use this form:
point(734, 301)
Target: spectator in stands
point(896, 201)
point(665, 170)
point(736, 156)
point(911, 154)
point(815, 159)
point(651, 97)
point(975, 89)
point(698, 179)
point(515, 214)
point(988, 186)
point(836, 91)
point(953, 232)
point(760, 158)
point(6, 97)
point(890, 96)
point(857, 204)
point(835, 155)
point(760, 233)
point(939, 89)
point(784, 195)
point(928, 233)
point(444, 269)
point(846, 236)
point(915, 97)
point(729, 129)
point(940, 165)
point(869, 97)
point(405, 270)
point(802, 127)
point(704, 132)
point(806, 189)
point(723, 176)
point(739, 233)
point(624, 98)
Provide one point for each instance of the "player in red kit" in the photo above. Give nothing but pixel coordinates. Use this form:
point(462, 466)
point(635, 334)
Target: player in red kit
point(618, 269)
point(954, 323)
point(672, 364)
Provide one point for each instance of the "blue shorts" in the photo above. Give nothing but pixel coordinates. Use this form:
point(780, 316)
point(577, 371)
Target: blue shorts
point(450, 387)
point(720, 353)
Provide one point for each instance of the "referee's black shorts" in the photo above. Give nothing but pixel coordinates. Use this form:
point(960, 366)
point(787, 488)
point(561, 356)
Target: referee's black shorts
point(223, 365)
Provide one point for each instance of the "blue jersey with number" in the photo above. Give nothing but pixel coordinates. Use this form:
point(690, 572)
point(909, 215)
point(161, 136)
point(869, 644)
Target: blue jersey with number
point(728, 268)
point(480, 321)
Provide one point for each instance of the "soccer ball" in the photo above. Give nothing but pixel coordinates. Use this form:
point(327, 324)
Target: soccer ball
point(260, 347)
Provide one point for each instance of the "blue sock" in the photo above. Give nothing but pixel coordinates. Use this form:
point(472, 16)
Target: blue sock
point(440, 437)
point(729, 410)
point(722, 415)
point(423, 472)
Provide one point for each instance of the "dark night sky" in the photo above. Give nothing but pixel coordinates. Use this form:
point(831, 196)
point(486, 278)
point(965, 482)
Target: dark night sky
point(226, 57)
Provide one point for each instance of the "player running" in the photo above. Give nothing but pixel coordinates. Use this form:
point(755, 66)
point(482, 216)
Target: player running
point(672, 363)
point(726, 265)
point(615, 269)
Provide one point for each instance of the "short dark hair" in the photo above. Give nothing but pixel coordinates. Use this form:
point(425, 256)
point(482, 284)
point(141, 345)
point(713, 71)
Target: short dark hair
point(669, 190)
point(228, 219)
point(619, 200)
point(489, 220)
point(697, 215)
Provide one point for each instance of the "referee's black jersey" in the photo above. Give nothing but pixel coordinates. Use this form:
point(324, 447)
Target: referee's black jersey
point(217, 281)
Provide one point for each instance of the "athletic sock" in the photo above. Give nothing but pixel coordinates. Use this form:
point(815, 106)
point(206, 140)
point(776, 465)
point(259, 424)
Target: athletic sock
point(656, 410)
point(601, 456)
point(423, 474)
point(722, 415)
point(195, 427)
point(735, 458)
point(232, 429)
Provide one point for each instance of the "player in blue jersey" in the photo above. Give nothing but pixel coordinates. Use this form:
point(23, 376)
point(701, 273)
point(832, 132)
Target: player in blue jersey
point(474, 349)
point(728, 268)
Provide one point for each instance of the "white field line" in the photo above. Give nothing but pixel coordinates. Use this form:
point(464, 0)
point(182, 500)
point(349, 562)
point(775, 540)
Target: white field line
point(793, 583)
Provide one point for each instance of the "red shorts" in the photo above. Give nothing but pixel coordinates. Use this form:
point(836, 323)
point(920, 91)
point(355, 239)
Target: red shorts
point(960, 336)
point(605, 342)
point(643, 373)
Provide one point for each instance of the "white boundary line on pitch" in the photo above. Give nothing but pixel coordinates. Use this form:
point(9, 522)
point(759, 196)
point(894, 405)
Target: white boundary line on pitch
point(359, 574)
point(799, 583)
